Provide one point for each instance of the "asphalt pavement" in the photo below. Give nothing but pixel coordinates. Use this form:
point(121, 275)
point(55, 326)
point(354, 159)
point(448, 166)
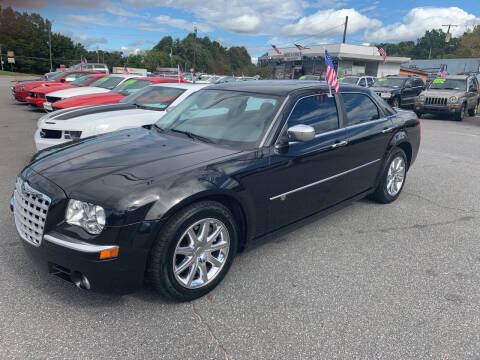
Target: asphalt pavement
point(397, 281)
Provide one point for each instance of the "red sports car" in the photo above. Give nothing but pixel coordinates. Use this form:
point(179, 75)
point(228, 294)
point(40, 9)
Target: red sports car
point(20, 90)
point(36, 96)
point(114, 96)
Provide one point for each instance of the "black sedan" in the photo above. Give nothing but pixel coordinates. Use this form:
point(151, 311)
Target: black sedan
point(232, 164)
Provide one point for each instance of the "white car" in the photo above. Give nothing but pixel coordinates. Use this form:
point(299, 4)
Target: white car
point(144, 107)
point(102, 85)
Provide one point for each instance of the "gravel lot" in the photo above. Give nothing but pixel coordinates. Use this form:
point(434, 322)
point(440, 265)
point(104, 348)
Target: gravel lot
point(398, 281)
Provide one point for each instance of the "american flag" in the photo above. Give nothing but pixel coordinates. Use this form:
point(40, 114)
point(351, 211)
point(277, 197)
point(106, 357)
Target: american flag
point(125, 70)
point(180, 73)
point(383, 51)
point(331, 75)
point(300, 47)
point(276, 50)
point(442, 73)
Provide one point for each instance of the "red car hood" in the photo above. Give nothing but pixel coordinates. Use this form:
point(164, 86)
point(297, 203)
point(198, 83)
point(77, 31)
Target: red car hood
point(85, 100)
point(45, 89)
point(33, 84)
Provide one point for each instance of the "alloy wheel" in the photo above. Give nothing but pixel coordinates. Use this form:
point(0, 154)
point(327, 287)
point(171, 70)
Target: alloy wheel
point(201, 253)
point(396, 176)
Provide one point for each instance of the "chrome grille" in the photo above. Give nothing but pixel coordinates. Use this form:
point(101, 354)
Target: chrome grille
point(30, 212)
point(435, 101)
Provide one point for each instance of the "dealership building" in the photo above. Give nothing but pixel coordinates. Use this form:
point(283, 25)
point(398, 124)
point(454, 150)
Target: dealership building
point(348, 59)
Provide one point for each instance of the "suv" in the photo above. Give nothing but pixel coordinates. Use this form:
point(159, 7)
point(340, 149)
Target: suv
point(364, 81)
point(453, 94)
point(399, 90)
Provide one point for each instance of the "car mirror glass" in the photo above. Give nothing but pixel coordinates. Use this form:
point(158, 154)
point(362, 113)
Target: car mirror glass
point(302, 133)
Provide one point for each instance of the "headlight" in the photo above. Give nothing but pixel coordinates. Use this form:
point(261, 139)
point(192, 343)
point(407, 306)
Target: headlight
point(453, 100)
point(72, 135)
point(88, 216)
point(421, 98)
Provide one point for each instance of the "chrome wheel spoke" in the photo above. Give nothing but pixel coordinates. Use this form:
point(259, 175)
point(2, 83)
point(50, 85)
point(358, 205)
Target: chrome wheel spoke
point(200, 253)
point(395, 176)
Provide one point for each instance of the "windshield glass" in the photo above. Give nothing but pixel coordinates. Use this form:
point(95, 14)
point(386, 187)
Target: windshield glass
point(56, 76)
point(82, 81)
point(448, 84)
point(230, 118)
point(108, 82)
point(155, 97)
point(131, 86)
point(349, 80)
point(388, 82)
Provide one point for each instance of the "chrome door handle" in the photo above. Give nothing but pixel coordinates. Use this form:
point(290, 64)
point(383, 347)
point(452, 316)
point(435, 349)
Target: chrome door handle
point(387, 130)
point(339, 144)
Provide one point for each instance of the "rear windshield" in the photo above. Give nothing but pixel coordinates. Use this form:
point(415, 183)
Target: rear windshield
point(82, 81)
point(349, 80)
point(108, 82)
point(388, 82)
point(131, 86)
point(448, 84)
point(56, 76)
point(154, 97)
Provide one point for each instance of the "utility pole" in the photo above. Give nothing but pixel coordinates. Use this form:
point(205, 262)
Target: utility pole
point(50, 43)
point(345, 30)
point(194, 52)
point(447, 36)
point(98, 56)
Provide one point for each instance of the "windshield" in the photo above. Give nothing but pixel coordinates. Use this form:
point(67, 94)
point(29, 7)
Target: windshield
point(230, 118)
point(56, 76)
point(448, 84)
point(82, 81)
point(108, 82)
point(154, 97)
point(131, 86)
point(349, 80)
point(388, 82)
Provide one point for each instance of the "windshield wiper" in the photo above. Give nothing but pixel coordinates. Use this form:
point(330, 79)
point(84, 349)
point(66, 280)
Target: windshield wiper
point(193, 136)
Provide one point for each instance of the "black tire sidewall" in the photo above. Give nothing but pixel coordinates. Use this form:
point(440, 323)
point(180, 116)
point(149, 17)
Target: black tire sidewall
point(164, 276)
point(396, 102)
point(382, 193)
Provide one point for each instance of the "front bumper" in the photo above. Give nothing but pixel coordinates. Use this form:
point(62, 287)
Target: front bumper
point(20, 96)
point(36, 101)
point(430, 109)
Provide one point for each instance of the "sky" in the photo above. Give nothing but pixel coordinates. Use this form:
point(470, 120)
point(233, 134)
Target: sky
point(135, 25)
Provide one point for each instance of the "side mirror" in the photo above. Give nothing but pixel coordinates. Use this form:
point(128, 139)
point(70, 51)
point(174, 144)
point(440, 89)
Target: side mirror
point(302, 133)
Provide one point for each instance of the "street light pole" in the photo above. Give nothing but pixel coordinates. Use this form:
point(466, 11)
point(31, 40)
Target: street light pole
point(50, 44)
point(1, 58)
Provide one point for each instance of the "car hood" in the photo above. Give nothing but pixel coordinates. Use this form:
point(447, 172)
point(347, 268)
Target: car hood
point(48, 88)
point(96, 169)
point(32, 84)
point(443, 93)
point(103, 117)
point(85, 90)
point(93, 99)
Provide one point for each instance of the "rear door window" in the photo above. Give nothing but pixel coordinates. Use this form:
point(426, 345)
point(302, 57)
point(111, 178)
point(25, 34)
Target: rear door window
point(318, 111)
point(362, 82)
point(359, 108)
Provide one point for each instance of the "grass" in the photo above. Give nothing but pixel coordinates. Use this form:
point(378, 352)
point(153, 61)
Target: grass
point(9, 73)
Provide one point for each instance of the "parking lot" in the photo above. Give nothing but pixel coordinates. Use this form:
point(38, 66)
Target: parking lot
point(398, 281)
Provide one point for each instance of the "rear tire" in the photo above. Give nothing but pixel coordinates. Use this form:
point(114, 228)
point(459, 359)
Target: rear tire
point(472, 111)
point(392, 178)
point(178, 247)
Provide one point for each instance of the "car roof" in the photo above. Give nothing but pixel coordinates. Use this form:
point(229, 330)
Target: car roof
point(280, 87)
point(182, 85)
point(457, 77)
point(123, 75)
point(157, 80)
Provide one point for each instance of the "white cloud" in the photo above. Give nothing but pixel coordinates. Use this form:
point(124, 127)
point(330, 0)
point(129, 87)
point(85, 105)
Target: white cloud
point(83, 38)
point(181, 23)
point(254, 60)
point(243, 16)
point(420, 19)
point(91, 19)
point(329, 23)
point(150, 27)
point(127, 50)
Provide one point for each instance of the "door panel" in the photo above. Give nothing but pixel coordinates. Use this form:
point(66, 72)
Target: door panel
point(303, 177)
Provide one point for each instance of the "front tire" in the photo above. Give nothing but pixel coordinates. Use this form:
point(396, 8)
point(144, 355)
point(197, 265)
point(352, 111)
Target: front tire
point(461, 115)
point(396, 102)
point(193, 252)
point(392, 178)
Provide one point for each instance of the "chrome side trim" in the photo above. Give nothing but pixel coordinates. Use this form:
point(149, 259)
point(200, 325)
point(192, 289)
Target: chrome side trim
point(78, 246)
point(274, 121)
point(323, 180)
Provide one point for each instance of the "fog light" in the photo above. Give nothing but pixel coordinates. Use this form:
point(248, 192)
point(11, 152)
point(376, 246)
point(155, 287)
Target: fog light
point(107, 254)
